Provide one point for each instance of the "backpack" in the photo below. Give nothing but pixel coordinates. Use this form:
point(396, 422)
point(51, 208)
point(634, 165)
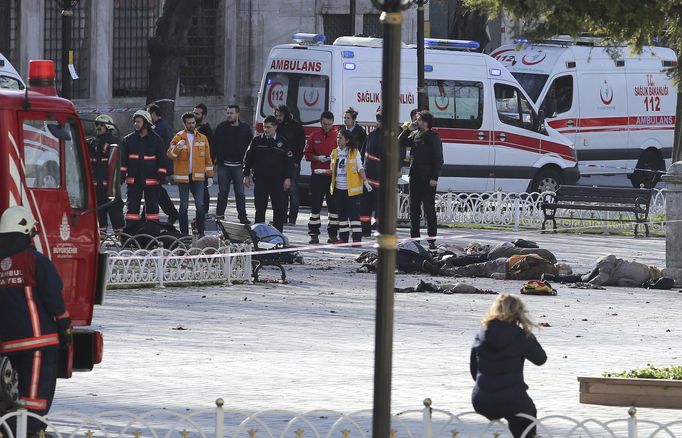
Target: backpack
point(411, 256)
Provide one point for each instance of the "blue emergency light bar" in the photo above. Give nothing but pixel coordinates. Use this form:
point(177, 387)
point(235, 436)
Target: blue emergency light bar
point(428, 68)
point(309, 38)
point(348, 54)
point(521, 41)
point(438, 43)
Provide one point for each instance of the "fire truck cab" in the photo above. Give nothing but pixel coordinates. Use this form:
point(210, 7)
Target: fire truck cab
point(44, 166)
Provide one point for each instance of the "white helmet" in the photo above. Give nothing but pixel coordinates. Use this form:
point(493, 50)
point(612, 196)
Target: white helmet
point(106, 120)
point(145, 115)
point(17, 219)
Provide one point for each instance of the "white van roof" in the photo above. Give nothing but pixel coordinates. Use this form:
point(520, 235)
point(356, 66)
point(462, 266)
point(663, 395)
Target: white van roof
point(9, 78)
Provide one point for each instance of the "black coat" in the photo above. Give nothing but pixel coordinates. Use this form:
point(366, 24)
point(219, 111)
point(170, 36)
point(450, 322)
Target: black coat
point(230, 143)
point(427, 154)
point(295, 134)
point(497, 359)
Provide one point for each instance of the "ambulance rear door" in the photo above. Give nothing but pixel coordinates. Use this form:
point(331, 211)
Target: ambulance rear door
point(300, 79)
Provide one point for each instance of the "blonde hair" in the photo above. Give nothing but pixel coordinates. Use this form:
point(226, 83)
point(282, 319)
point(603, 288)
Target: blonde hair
point(510, 309)
point(351, 112)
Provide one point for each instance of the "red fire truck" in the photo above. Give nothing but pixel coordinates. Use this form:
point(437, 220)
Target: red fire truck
point(44, 166)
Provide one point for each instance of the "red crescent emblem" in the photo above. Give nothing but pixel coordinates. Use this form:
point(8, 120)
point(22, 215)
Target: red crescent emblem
point(608, 91)
point(307, 102)
point(534, 58)
point(272, 89)
point(444, 107)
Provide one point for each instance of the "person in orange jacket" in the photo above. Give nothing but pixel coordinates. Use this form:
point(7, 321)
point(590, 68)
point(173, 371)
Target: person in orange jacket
point(192, 164)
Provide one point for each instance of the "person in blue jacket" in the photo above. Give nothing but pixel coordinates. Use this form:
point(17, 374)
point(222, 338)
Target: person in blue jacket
point(497, 358)
point(34, 321)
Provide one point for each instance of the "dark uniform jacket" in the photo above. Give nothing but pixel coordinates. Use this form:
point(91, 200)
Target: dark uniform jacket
point(99, 149)
point(269, 159)
point(374, 152)
point(496, 364)
point(295, 134)
point(208, 132)
point(230, 143)
point(358, 136)
point(426, 154)
point(30, 300)
point(143, 159)
point(166, 133)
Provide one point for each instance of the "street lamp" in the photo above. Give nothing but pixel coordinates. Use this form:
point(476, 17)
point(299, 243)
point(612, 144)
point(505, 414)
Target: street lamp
point(391, 20)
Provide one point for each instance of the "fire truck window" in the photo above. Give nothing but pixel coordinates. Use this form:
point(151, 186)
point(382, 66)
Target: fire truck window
point(512, 107)
point(75, 168)
point(41, 154)
point(305, 95)
point(455, 104)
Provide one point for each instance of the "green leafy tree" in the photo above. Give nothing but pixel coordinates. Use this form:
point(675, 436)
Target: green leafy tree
point(636, 22)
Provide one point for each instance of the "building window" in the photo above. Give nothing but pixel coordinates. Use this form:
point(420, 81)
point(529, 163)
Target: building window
point(80, 43)
point(371, 26)
point(9, 30)
point(202, 72)
point(134, 25)
point(336, 25)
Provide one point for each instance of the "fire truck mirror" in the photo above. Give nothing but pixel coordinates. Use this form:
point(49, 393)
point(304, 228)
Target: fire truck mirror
point(58, 131)
point(114, 172)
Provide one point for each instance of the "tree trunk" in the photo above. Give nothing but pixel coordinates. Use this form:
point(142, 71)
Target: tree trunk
point(677, 147)
point(167, 50)
point(466, 24)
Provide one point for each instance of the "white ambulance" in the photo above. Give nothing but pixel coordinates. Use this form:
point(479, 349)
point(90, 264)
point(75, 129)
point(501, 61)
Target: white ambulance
point(9, 78)
point(493, 137)
point(616, 105)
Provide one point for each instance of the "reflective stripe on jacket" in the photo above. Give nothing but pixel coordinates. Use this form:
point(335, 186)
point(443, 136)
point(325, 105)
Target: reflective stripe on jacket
point(202, 165)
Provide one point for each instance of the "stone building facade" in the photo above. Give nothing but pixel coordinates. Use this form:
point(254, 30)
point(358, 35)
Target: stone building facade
point(225, 66)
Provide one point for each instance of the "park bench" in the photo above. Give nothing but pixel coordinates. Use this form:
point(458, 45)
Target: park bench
point(236, 232)
point(630, 200)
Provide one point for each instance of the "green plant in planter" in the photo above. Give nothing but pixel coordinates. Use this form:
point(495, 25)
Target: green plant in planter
point(649, 372)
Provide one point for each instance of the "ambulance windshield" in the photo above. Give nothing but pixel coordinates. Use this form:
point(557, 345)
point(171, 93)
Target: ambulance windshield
point(305, 95)
point(532, 83)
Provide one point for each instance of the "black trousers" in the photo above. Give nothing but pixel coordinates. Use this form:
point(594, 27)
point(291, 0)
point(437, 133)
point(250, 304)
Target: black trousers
point(113, 211)
point(264, 189)
point(523, 405)
point(349, 215)
point(37, 370)
point(422, 194)
point(166, 204)
point(319, 192)
point(369, 206)
point(151, 203)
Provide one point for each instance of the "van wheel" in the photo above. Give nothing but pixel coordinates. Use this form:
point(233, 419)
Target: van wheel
point(547, 180)
point(650, 160)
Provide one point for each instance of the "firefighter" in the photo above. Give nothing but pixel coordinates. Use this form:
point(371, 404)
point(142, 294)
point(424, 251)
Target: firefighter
point(272, 163)
point(99, 149)
point(143, 167)
point(34, 321)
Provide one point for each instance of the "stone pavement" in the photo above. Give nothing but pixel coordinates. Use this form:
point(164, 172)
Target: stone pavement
point(309, 344)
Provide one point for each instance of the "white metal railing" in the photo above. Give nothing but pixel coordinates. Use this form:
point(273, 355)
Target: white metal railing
point(161, 266)
point(523, 210)
point(426, 422)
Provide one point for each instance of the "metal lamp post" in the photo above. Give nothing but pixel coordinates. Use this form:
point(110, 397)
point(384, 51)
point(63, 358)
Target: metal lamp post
point(67, 53)
point(391, 19)
point(421, 91)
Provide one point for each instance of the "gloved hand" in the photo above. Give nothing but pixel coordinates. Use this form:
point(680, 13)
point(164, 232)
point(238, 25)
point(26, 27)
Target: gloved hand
point(368, 186)
point(320, 171)
point(65, 332)
point(323, 158)
point(181, 144)
point(209, 182)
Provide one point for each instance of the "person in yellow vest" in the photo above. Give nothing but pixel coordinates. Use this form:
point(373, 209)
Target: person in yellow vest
point(348, 178)
point(192, 164)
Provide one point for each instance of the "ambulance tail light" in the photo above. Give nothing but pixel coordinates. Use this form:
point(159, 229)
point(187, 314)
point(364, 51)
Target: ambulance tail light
point(438, 43)
point(41, 77)
point(309, 38)
point(669, 63)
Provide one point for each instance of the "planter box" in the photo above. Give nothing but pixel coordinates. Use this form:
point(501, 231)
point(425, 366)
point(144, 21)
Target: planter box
point(642, 393)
